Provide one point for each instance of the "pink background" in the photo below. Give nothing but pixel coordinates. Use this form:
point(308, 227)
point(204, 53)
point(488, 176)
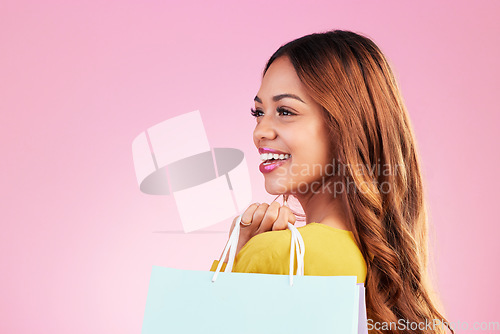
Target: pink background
point(79, 80)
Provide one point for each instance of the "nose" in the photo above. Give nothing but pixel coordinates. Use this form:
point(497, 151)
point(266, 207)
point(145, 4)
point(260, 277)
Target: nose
point(264, 130)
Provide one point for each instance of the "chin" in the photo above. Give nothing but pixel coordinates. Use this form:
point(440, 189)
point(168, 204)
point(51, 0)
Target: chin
point(273, 188)
point(273, 191)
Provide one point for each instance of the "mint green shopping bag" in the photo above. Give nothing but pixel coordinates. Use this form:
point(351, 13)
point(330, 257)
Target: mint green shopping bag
point(191, 301)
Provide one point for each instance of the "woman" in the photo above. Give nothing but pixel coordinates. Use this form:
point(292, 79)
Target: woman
point(330, 114)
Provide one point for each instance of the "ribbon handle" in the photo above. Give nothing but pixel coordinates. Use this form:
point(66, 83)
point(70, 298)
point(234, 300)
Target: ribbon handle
point(296, 245)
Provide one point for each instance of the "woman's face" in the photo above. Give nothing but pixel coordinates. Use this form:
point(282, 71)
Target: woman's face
point(289, 121)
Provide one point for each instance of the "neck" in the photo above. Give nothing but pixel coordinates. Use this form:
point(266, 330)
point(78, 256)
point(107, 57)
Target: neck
point(324, 208)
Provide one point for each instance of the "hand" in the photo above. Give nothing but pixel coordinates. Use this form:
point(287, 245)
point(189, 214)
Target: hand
point(262, 218)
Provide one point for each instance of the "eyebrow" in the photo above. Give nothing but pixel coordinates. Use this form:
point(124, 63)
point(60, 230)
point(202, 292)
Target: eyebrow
point(279, 97)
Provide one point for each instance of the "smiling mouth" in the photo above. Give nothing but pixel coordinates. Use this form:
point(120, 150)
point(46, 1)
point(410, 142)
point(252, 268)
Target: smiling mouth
point(269, 158)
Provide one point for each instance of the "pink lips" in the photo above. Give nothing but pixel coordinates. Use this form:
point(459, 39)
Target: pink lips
point(272, 166)
point(270, 150)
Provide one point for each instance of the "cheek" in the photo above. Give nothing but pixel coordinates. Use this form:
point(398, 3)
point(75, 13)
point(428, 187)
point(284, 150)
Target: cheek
point(316, 150)
point(310, 158)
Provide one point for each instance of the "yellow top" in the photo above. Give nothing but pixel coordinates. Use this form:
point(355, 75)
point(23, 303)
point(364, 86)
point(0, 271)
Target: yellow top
point(329, 251)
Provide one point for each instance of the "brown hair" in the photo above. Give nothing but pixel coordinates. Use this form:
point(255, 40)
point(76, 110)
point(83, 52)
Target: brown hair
point(348, 75)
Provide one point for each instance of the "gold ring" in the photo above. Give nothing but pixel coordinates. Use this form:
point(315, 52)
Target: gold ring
point(241, 222)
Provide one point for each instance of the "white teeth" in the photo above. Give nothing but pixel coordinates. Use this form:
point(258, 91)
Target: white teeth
point(268, 156)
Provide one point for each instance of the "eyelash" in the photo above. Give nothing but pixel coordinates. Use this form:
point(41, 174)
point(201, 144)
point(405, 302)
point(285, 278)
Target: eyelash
point(254, 112)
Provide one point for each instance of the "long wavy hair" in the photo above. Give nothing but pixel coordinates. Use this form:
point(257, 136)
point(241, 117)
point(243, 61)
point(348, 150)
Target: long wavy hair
point(348, 75)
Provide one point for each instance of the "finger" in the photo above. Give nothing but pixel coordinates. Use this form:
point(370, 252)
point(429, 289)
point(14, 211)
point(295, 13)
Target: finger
point(284, 216)
point(258, 215)
point(247, 216)
point(269, 218)
point(255, 205)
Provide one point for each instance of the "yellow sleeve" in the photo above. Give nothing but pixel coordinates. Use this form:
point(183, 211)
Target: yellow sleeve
point(264, 254)
point(256, 256)
point(216, 263)
point(325, 255)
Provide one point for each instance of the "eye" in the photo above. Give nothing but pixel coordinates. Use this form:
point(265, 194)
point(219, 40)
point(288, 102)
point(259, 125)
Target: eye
point(280, 110)
point(255, 113)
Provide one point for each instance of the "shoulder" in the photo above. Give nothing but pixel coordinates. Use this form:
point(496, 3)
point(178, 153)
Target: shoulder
point(276, 240)
point(268, 241)
point(327, 239)
point(332, 252)
point(265, 253)
point(328, 251)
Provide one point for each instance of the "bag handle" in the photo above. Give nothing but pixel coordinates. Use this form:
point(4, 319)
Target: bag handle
point(297, 244)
